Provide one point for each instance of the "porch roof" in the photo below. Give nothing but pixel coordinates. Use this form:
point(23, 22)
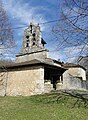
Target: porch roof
point(46, 63)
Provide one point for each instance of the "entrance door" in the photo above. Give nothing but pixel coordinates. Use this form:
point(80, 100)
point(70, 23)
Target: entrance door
point(54, 81)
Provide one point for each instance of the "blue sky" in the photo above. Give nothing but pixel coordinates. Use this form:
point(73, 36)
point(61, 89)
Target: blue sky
point(22, 12)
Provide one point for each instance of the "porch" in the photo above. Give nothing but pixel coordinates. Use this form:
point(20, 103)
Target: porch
point(53, 78)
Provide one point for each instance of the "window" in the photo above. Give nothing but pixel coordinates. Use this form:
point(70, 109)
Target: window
point(27, 40)
point(33, 34)
point(34, 43)
point(31, 28)
point(27, 37)
point(27, 45)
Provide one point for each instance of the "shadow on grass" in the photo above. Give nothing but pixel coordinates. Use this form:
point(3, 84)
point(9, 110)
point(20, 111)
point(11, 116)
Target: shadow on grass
point(71, 99)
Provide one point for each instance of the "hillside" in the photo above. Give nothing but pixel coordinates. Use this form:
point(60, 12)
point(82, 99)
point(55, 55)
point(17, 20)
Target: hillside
point(54, 106)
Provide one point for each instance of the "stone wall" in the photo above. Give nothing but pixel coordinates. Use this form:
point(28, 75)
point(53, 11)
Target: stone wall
point(71, 82)
point(77, 72)
point(3, 83)
point(25, 82)
point(48, 87)
point(37, 55)
point(59, 86)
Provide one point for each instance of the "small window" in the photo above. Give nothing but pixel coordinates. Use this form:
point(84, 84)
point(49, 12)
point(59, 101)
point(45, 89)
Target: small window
point(27, 37)
point(31, 28)
point(27, 40)
point(27, 45)
point(33, 34)
point(33, 43)
point(34, 39)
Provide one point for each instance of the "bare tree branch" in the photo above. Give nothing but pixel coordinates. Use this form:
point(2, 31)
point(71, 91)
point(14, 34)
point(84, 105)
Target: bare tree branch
point(6, 34)
point(72, 31)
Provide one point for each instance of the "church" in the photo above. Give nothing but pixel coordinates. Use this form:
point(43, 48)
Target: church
point(33, 72)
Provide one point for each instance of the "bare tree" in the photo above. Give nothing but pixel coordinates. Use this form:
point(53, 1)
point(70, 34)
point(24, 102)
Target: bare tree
point(6, 34)
point(7, 43)
point(72, 29)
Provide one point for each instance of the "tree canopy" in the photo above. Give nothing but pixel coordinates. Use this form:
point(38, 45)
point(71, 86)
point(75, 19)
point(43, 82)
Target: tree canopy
point(6, 34)
point(72, 30)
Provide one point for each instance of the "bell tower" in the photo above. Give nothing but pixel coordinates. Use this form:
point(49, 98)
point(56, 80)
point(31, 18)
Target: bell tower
point(32, 45)
point(32, 41)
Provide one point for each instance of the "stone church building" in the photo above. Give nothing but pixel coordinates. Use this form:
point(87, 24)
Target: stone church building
point(34, 73)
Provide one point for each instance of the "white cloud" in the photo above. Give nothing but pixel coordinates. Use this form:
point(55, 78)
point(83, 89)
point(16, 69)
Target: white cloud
point(68, 54)
point(56, 55)
point(73, 52)
point(24, 13)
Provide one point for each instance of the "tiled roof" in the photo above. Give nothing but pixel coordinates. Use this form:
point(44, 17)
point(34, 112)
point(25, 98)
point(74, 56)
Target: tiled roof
point(69, 65)
point(49, 62)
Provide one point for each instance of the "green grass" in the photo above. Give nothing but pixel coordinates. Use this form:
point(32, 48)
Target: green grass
point(42, 107)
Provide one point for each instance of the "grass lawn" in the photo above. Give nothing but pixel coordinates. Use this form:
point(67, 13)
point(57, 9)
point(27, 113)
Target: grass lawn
point(42, 107)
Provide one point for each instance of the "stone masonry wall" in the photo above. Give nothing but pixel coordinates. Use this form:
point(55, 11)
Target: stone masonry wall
point(71, 82)
point(3, 83)
point(77, 72)
point(48, 87)
point(37, 55)
point(25, 82)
